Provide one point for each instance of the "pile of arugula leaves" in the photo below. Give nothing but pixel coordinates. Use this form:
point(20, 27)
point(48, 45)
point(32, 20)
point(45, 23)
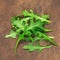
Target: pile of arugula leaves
point(31, 27)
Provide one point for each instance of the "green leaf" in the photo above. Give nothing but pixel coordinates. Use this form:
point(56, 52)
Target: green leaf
point(33, 15)
point(12, 34)
point(31, 47)
point(46, 38)
point(45, 16)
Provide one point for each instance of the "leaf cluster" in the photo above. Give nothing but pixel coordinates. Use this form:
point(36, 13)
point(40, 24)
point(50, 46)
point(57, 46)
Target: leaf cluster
point(30, 27)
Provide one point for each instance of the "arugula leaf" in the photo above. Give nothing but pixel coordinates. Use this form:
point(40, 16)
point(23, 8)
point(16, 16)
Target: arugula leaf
point(26, 13)
point(12, 34)
point(31, 47)
point(45, 16)
point(46, 37)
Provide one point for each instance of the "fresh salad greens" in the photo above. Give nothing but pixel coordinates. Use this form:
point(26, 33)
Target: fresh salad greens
point(31, 27)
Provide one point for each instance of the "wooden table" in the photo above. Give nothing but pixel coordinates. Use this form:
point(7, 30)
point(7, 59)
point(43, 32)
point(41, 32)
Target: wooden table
point(9, 8)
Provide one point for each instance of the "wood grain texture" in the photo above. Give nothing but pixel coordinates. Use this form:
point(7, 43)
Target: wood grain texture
point(9, 8)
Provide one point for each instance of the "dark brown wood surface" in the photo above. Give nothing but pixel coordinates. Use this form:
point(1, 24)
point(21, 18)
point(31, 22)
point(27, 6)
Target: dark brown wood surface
point(9, 8)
